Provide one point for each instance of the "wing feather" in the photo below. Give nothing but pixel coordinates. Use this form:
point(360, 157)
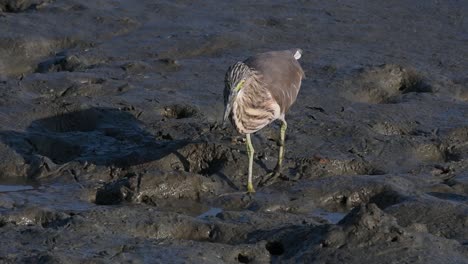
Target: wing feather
point(281, 73)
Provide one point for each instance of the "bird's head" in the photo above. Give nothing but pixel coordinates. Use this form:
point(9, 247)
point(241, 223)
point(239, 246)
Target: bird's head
point(236, 76)
point(234, 81)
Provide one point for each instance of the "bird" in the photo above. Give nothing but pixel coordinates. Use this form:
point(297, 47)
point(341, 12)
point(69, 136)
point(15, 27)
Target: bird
point(258, 91)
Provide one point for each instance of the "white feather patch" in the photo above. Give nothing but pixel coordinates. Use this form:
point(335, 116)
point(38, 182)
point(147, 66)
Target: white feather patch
point(298, 54)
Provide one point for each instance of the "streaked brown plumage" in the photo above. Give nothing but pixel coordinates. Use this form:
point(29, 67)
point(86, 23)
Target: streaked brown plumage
point(260, 90)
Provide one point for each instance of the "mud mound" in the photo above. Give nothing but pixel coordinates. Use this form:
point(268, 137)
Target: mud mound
point(456, 142)
point(14, 164)
point(371, 230)
point(444, 218)
point(62, 62)
point(384, 84)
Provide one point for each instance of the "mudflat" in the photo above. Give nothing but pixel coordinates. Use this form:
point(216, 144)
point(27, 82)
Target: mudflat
point(112, 150)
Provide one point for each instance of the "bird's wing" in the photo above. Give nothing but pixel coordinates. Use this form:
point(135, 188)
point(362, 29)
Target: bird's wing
point(281, 73)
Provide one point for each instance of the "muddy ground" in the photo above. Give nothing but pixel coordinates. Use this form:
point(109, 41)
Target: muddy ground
point(112, 151)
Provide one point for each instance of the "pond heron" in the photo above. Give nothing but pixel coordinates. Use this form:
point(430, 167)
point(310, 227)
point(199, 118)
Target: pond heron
point(259, 91)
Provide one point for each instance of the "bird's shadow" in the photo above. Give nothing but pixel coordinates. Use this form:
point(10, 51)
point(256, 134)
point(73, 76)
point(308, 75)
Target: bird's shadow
point(101, 136)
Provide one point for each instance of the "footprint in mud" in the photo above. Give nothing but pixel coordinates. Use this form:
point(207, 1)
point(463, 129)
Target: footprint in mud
point(178, 111)
point(387, 128)
point(204, 158)
point(436, 153)
point(136, 67)
point(382, 197)
point(141, 67)
point(384, 84)
point(189, 47)
point(318, 167)
point(341, 193)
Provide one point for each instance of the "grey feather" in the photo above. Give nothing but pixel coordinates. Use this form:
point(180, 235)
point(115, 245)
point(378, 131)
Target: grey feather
point(280, 73)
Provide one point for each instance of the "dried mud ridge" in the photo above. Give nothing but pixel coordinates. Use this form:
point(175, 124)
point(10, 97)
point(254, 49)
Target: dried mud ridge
point(111, 148)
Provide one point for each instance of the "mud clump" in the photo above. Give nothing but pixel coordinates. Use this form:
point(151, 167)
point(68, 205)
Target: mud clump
point(61, 62)
point(384, 84)
point(114, 192)
point(456, 142)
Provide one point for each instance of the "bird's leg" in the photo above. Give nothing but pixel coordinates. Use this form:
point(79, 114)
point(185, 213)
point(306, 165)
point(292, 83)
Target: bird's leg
point(283, 128)
point(250, 152)
point(276, 173)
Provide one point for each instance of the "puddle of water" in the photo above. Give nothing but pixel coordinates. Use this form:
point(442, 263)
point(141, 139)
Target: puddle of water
point(182, 206)
point(212, 212)
point(16, 184)
point(331, 217)
point(21, 191)
point(15, 188)
point(450, 196)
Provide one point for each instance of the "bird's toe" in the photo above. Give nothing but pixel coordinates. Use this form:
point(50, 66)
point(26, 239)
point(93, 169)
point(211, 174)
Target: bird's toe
point(272, 177)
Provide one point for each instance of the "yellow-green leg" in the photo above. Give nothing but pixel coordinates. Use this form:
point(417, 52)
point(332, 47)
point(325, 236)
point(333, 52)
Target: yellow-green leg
point(271, 177)
point(283, 128)
point(250, 152)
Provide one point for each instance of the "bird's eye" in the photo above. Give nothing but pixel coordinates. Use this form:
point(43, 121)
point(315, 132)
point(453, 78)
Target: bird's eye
point(239, 85)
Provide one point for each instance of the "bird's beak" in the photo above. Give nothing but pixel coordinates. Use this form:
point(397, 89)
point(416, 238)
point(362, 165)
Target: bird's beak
point(228, 107)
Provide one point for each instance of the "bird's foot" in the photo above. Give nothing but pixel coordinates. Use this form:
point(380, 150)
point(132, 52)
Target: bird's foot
point(250, 188)
point(250, 191)
point(237, 194)
point(273, 177)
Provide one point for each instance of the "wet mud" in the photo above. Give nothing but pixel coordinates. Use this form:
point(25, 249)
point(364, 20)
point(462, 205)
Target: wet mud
point(111, 147)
